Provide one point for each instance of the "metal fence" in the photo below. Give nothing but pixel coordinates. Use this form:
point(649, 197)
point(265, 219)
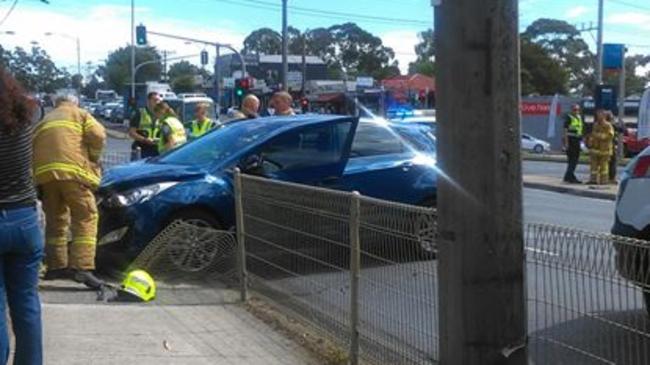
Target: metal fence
point(114, 158)
point(358, 268)
point(364, 271)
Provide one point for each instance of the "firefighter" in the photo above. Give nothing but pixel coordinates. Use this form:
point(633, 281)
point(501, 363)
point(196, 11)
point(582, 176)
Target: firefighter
point(68, 144)
point(172, 132)
point(600, 143)
point(143, 128)
point(202, 124)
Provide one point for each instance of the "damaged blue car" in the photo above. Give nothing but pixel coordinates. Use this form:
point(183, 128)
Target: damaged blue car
point(195, 182)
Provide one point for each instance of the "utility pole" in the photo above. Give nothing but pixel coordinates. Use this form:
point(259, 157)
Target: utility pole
point(164, 70)
point(599, 45)
point(285, 47)
point(217, 82)
point(481, 253)
point(132, 48)
point(304, 65)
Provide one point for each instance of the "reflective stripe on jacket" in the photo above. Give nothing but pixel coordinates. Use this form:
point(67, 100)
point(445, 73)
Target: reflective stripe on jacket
point(68, 144)
point(177, 133)
point(601, 140)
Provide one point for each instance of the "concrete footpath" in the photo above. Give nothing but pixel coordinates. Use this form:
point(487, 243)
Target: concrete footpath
point(185, 325)
point(556, 184)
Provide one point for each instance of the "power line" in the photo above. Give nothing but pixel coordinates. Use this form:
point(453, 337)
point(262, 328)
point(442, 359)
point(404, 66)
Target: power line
point(11, 9)
point(312, 12)
point(631, 5)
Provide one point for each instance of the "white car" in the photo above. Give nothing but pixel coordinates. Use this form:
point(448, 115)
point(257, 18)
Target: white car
point(530, 143)
point(632, 217)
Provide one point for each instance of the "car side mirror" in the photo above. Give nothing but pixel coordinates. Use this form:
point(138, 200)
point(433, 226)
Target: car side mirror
point(251, 164)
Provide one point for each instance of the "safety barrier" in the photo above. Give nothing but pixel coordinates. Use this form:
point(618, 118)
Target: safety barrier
point(115, 158)
point(364, 271)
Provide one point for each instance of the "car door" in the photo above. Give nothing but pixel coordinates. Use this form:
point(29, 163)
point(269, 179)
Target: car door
point(526, 142)
point(383, 166)
point(314, 155)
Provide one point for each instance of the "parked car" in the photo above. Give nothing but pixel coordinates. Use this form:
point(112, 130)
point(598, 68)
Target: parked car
point(194, 182)
point(118, 115)
point(632, 219)
point(530, 143)
point(631, 144)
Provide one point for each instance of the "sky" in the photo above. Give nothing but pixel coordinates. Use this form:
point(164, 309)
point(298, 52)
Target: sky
point(102, 26)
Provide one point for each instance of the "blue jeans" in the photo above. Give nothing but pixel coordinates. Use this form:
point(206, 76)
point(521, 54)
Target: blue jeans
point(21, 252)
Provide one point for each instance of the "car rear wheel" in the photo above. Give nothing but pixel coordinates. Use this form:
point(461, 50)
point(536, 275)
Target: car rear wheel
point(195, 250)
point(538, 148)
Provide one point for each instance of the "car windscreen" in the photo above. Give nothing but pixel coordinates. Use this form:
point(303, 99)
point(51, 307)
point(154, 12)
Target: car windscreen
point(216, 146)
point(421, 138)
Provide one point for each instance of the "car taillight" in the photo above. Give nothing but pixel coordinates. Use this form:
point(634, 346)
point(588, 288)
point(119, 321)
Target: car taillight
point(641, 167)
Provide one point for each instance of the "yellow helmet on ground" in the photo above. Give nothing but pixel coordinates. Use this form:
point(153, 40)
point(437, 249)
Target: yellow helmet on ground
point(140, 284)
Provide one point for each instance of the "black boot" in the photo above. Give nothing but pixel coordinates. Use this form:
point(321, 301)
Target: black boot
point(88, 279)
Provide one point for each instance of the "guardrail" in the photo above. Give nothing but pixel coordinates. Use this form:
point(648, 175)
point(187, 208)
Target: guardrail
point(364, 271)
point(115, 158)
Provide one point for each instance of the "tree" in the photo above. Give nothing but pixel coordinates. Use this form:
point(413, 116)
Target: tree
point(35, 70)
point(563, 42)
point(183, 76)
point(425, 51)
point(360, 52)
point(540, 73)
point(263, 41)
point(117, 73)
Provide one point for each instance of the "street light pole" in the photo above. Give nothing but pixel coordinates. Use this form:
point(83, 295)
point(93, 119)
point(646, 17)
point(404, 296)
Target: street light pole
point(285, 49)
point(599, 50)
point(132, 48)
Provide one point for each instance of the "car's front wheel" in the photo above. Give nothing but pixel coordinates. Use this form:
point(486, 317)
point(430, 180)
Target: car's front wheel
point(195, 248)
point(538, 148)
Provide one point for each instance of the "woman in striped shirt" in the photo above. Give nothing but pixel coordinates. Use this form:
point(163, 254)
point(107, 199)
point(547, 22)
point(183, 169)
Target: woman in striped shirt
point(21, 239)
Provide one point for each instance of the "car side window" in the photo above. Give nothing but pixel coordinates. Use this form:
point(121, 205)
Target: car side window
point(375, 140)
point(309, 147)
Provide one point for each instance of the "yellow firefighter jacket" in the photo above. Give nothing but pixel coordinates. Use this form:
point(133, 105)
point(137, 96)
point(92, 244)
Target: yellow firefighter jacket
point(68, 144)
point(601, 139)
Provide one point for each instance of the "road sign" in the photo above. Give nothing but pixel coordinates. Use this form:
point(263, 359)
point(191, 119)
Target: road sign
point(363, 81)
point(613, 55)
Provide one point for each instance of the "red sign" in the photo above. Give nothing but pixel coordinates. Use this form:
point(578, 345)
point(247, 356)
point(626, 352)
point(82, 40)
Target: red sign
point(538, 108)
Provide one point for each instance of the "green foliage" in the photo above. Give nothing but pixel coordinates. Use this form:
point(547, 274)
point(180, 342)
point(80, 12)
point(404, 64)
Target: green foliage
point(117, 71)
point(35, 70)
point(425, 51)
point(540, 73)
point(183, 76)
point(635, 83)
point(345, 48)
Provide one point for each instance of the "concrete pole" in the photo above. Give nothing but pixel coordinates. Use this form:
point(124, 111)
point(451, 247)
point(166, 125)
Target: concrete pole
point(304, 64)
point(132, 48)
point(599, 45)
point(481, 254)
point(217, 81)
point(285, 47)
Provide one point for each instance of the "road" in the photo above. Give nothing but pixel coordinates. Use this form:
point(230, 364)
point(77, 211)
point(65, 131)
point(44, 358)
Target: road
point(582, 306)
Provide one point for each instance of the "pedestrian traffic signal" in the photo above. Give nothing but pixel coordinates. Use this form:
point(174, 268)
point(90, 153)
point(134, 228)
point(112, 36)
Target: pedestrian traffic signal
point(204, 58)
point(141, 35)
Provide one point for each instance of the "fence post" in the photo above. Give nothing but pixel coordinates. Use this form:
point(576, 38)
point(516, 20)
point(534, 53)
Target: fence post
point(241, 236)
point(355, 265)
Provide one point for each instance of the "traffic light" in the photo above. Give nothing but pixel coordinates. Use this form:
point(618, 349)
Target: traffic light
point(204, 58)
point(141, 35)
point(242, 86)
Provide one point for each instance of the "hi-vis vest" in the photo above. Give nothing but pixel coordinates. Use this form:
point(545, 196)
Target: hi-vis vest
point(575, 126)
point(178, 133)
point(148, 127)
point(201, 128)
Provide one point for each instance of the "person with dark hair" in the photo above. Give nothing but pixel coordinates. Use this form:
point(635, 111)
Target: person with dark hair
point(143, 128)
point(21, 240)
point(172, 131)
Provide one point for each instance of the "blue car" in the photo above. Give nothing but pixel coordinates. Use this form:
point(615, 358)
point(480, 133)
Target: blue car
point(195, 182)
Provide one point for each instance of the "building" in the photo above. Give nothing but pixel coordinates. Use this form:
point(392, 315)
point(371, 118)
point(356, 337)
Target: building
point(415, 89)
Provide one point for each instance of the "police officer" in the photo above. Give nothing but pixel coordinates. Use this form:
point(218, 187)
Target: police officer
point(573, 133)
point(202, 124)
point(172, 131)
point(143, 128)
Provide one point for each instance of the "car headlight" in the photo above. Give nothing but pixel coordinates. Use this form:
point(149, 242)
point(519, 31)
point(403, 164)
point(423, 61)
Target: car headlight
point(139, 195)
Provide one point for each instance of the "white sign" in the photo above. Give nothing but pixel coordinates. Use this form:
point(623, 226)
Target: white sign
point(294, 79)
point(643, 130)
point(229, 82)
point(363, 81)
